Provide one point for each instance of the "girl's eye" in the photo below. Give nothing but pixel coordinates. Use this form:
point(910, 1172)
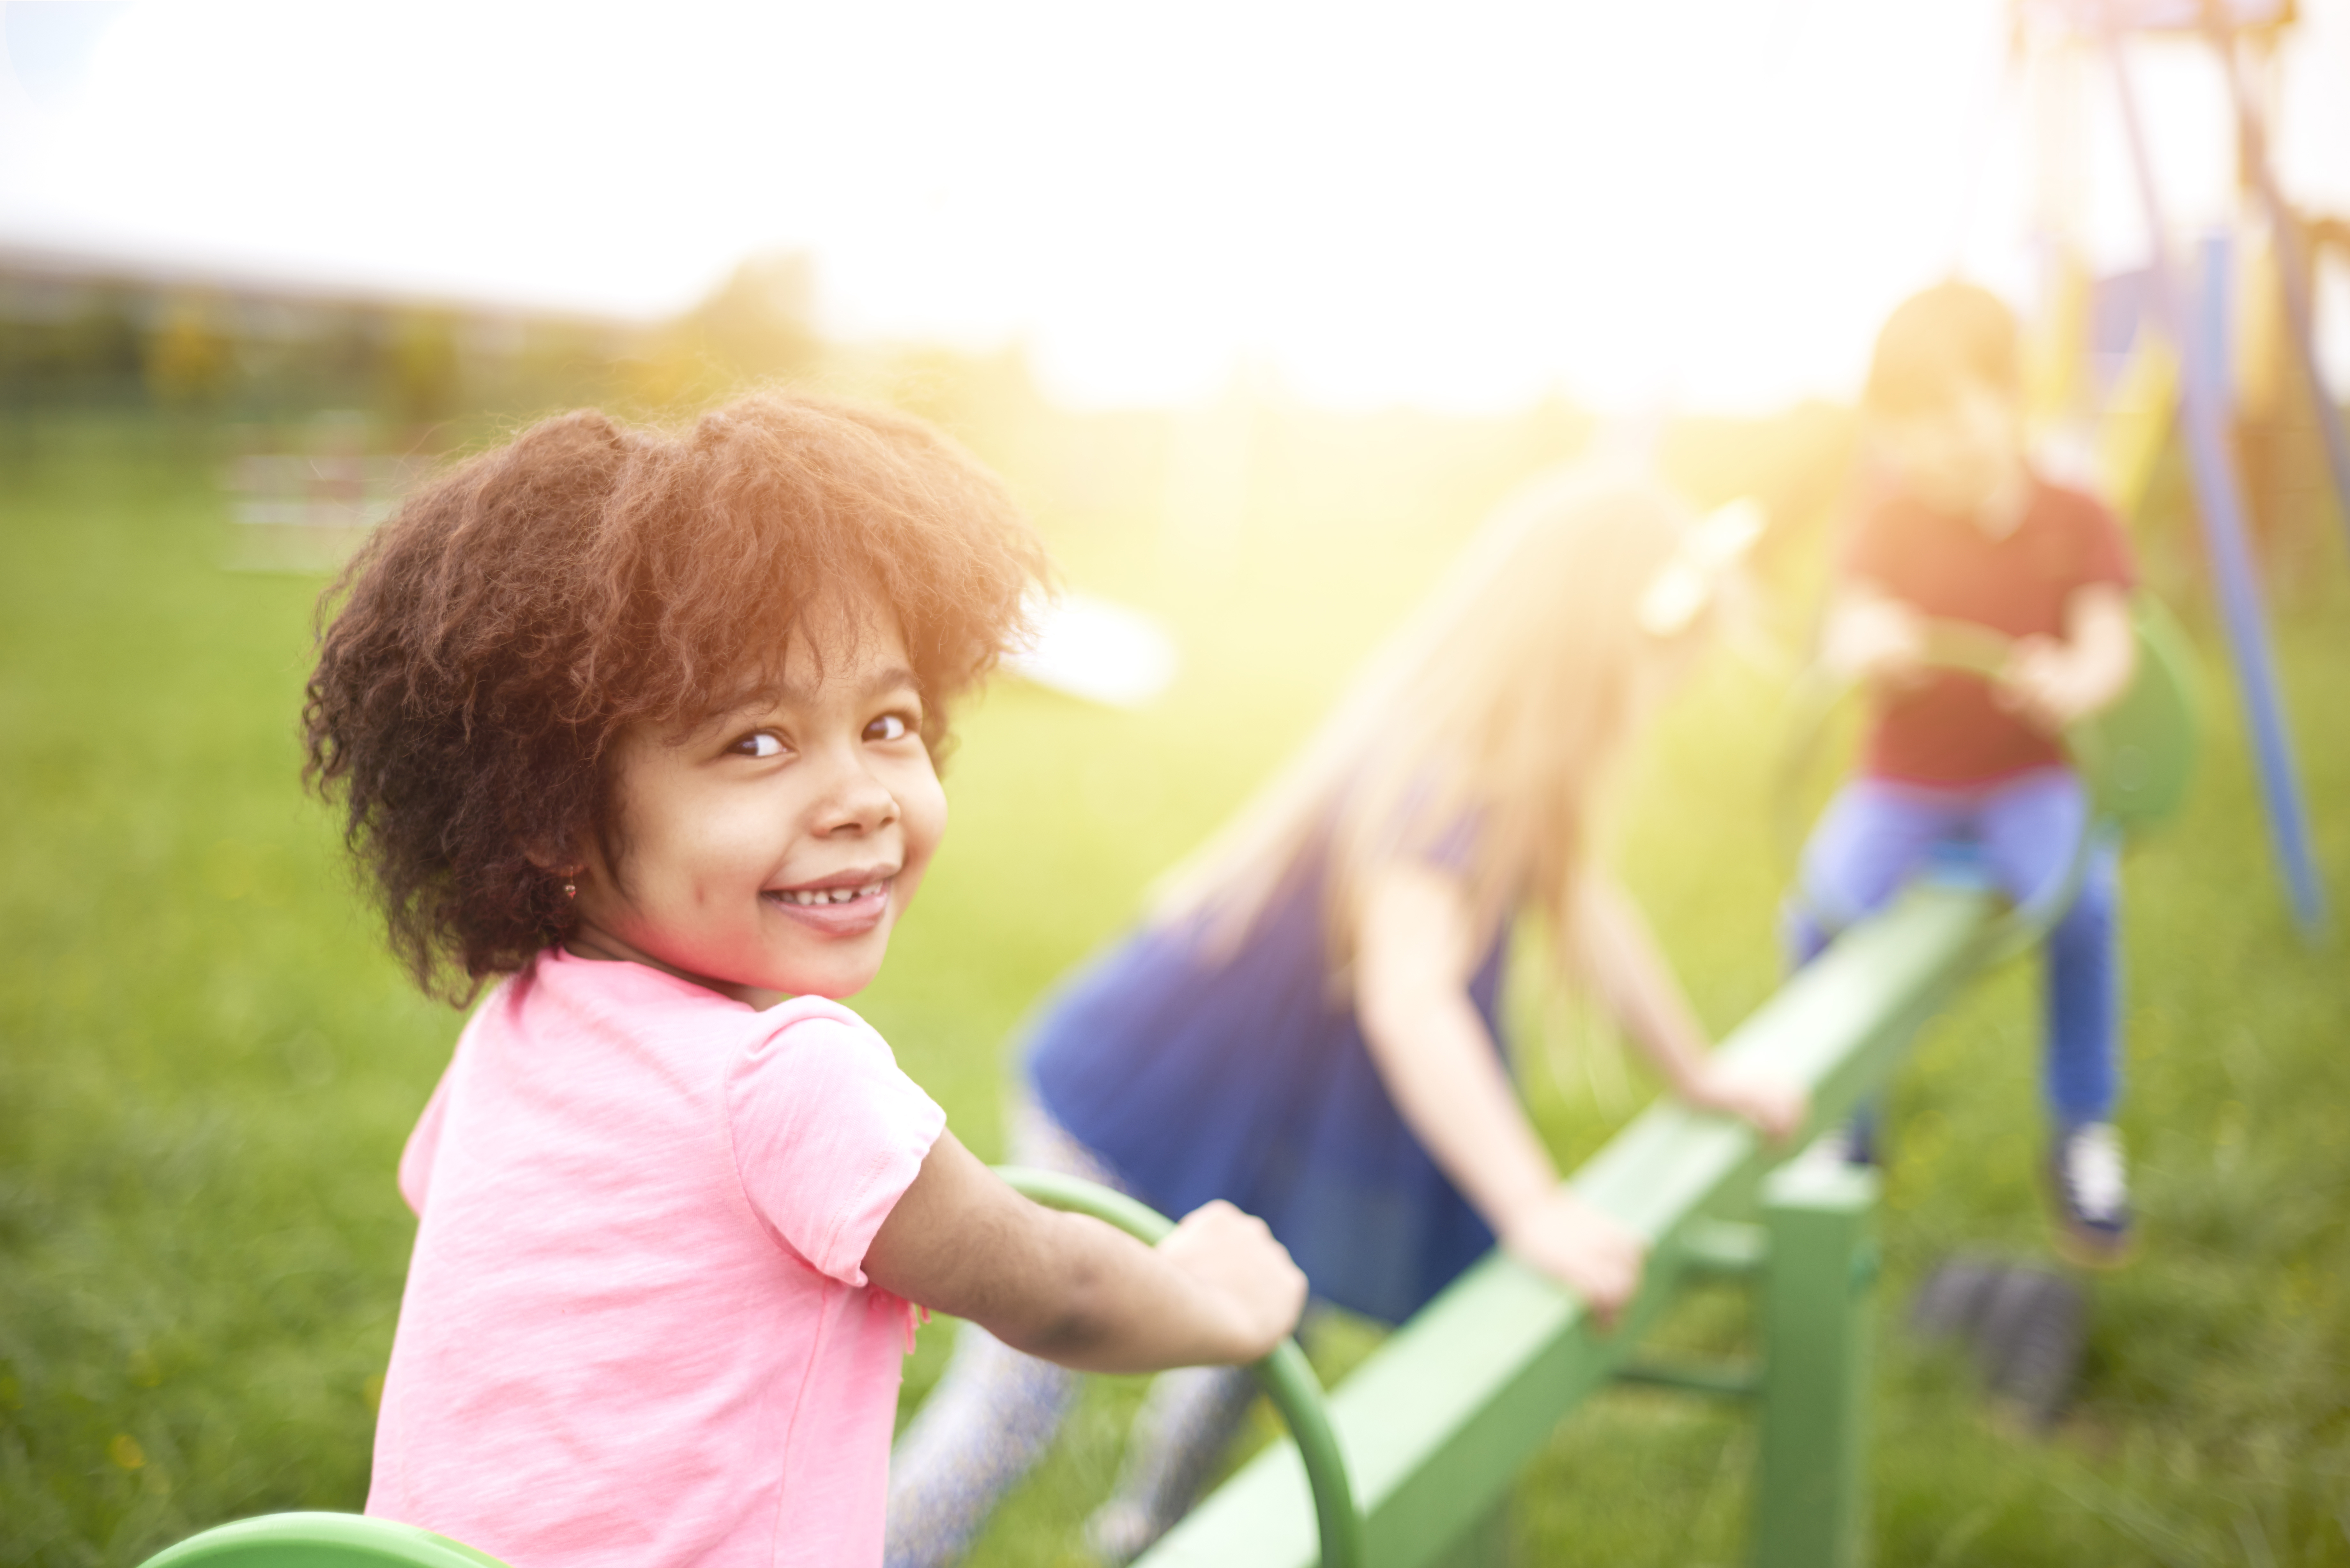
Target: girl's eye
point(888, 727)
point(759, 743)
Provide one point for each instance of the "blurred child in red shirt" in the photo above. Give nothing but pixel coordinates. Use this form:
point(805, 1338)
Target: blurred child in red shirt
point(1960, 531)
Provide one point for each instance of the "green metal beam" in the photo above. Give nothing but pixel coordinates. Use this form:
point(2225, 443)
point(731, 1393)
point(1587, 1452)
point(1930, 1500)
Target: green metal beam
point(1436, 1424)
point(1725, 1382)
point(1813, 1446)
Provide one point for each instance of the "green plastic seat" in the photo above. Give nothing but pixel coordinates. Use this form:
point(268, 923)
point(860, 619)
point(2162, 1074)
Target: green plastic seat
point(319, 1541)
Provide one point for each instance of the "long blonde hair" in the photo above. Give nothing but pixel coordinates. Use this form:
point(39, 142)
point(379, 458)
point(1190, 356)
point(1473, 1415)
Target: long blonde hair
point(1498, 705)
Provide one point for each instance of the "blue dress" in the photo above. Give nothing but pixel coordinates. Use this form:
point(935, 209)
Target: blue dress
point(1248, 1080)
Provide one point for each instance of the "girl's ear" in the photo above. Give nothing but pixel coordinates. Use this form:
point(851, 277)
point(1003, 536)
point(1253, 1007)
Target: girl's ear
point(568, 868)
point(564, 861)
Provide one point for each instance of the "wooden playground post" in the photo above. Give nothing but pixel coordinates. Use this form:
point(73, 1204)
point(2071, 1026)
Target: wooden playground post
point(2293, 279)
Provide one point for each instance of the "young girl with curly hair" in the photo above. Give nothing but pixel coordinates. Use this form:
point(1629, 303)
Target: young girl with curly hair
point(642, 729)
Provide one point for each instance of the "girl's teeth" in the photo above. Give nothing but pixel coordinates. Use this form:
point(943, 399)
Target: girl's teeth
point(832, 895)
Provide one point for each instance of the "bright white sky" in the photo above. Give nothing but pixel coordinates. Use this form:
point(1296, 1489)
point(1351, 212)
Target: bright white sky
point(1712, 201)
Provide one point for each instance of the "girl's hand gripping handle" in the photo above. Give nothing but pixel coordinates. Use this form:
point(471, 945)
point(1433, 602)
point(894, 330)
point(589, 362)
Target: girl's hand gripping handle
point(1582, 1249)
point(1243, 1276)
point(1775, 1109)
point(1873, 638)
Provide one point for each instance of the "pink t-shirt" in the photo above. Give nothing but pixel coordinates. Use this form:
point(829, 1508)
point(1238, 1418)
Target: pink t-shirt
point(636, 1330)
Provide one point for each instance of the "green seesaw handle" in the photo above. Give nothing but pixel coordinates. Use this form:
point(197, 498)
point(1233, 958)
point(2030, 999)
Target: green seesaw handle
point(2135, 757)
point(1288, 1381)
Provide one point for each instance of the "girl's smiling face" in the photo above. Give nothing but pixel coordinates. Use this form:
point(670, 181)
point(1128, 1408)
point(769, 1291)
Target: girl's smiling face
point(769, 852)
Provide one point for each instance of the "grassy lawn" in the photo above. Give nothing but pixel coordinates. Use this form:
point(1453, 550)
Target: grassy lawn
point(207, 1064)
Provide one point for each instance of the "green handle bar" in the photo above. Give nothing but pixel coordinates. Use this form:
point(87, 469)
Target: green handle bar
point(2136, 754)
point(1288, 1381)
point(2135, 757)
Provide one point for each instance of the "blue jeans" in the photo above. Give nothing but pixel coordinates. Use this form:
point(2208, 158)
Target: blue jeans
point(2021, 831)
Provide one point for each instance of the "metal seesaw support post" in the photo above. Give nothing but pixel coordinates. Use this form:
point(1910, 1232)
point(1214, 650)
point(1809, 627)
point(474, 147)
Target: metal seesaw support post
point(1810, 1482)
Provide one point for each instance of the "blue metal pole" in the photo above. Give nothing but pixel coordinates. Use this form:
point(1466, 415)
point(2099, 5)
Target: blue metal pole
point(2292, 262)
point(2220, 503)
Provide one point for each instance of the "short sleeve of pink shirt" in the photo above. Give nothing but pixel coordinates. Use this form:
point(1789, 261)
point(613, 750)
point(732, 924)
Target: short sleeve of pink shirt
point(827, 1132)
point(636, 1328)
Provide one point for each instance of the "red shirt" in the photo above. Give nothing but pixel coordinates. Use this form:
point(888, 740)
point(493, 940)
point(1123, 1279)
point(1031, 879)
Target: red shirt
point(1948, 730)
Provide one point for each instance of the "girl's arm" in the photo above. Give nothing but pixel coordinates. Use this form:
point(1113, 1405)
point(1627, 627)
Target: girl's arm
point(1074, 1291)
point(2056, 684)
point(1618, 959)
point(1433, 1052)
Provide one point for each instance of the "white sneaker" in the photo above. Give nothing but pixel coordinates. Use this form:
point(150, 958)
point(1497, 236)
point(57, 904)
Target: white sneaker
point(2088, 1184)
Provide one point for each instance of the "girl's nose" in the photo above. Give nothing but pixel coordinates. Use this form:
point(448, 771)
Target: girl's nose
point(857, 801)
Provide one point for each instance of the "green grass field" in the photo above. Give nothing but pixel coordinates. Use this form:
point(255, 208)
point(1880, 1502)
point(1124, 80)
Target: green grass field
point(207, 1064)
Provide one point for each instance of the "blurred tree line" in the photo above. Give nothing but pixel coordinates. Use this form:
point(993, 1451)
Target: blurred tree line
point(260, 364)
point(78, 337)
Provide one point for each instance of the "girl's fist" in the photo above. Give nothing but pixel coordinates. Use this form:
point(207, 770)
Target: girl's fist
point(1253, 1292)
point(1582, 1249)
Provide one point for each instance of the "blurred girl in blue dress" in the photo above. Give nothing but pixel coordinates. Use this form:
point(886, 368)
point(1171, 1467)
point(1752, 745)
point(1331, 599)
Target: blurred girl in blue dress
point(1307, 1020)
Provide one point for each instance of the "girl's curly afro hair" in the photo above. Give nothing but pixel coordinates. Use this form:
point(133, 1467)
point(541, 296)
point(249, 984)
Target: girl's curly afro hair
point(480, 656)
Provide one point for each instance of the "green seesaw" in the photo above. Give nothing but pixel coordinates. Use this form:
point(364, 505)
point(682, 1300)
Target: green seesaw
point(1411, 1463)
